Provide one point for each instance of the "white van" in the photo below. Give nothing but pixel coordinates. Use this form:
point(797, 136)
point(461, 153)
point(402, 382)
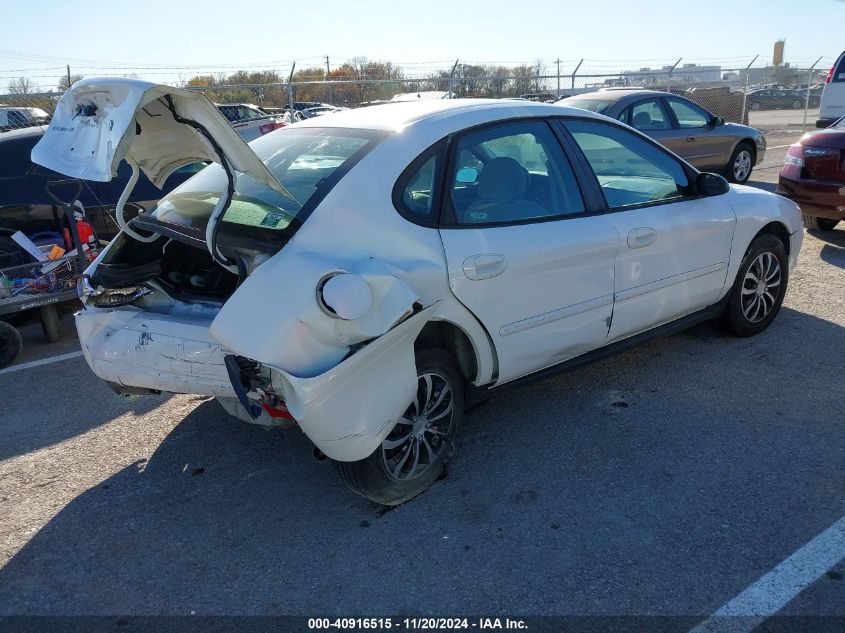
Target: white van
point(833, 96)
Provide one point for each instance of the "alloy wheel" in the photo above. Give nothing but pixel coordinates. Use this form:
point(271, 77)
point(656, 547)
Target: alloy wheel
point(742, 165)
point(760, 287)
point(421, 436)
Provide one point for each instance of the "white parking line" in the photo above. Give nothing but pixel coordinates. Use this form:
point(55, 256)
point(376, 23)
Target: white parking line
point(779, 146)
point(774, 589)
point(38, 363)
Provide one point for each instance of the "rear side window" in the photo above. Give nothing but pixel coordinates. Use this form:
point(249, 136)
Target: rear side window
point(416, 190)
point(630, 170)
point(510, 173)
point(839, 70)
point(648, 116)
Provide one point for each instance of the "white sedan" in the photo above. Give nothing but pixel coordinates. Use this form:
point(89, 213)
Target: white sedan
point(368, 275)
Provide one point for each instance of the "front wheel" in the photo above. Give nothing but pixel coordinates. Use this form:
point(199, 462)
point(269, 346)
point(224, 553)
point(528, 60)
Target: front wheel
point(741, 164)
point(759, 288)
point(814, 223)
point(418, 448)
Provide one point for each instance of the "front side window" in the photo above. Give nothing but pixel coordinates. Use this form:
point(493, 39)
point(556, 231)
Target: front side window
point(648, 116)
point(689, 115)
point(308, 162)
point(512, 173)
point(630, 170)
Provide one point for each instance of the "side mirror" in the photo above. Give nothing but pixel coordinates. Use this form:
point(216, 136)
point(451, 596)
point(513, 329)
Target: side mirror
point(467, 175)
point(717, 120)
point(708, 184)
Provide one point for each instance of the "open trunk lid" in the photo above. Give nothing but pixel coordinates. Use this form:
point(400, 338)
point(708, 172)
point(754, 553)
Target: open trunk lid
point(100, 121)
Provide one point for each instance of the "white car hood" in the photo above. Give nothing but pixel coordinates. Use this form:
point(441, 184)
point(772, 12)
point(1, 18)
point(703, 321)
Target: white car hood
point(101, 121)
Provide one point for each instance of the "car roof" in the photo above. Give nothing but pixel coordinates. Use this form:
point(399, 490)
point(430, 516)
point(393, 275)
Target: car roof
point(401, 114)
point(23, 132)
point(619, 95)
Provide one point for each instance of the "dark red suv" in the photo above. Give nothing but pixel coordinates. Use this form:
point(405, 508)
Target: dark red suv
point(813, 175)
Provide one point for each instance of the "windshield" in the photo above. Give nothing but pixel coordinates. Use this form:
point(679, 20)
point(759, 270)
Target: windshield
point(593, 105)
point(307, 161)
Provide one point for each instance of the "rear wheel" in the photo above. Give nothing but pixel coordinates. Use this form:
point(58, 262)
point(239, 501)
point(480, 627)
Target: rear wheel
point(10, 343)
point(741, 164)
point(50, 323)
point(814, 223)
point(418, 448)
point(759, 288)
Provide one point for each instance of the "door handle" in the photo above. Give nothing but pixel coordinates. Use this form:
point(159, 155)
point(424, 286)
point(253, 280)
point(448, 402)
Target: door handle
point(640, 237)
point(690, 139)
point(484, 265)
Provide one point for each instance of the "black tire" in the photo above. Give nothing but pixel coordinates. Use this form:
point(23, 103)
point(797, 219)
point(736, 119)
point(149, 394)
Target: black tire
point(814, 223)
point(10, 343)
point(50, 323)
point(372, 478)
point(731, 171)
point(740, 316)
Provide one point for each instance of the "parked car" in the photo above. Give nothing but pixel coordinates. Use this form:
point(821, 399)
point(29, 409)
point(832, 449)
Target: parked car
point(25, 205)
point(833, 94)
point(704, 140)
point(374, 272)
point(813, 175)
point(12, 117)
point(310, 113)
point(249, 121)
point(775, 99)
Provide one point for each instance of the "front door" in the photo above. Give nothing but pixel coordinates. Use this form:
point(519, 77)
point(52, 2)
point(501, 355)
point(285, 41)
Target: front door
point(522, 252)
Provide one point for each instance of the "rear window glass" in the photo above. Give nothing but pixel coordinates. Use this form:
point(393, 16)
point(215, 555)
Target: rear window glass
point(307, 162)
point(593, 105)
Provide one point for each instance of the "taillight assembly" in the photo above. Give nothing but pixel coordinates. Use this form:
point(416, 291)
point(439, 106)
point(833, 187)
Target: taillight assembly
point(829, 77)
point(794, 162)
point(269, 127)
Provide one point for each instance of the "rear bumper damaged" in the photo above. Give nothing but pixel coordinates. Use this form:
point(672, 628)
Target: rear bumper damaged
point(346, 411)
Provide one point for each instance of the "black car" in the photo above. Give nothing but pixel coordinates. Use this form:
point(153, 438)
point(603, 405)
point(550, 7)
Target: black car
point(781, 99)
point(25, 205)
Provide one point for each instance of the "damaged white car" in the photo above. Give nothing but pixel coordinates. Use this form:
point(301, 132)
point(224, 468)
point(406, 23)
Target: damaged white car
point(368, 275)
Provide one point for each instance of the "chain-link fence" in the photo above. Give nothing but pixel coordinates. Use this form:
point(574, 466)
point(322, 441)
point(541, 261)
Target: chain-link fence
point(772, 98)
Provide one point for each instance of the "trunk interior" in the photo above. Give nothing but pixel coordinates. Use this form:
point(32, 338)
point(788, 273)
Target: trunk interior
point(183, 272)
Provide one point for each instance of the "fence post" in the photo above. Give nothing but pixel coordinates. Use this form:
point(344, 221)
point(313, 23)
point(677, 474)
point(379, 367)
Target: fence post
point(451, 77)
point(745, 92)
point(290, 91)
point(669, 77)
point(807, 99)
point(572, 76)
point(557, 95)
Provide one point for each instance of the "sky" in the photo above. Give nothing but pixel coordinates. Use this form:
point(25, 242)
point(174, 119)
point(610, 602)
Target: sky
point(170, 41)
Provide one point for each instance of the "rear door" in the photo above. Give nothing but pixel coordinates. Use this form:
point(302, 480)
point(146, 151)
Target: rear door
point(525, 252)
point(833, 96)
point(674, 247)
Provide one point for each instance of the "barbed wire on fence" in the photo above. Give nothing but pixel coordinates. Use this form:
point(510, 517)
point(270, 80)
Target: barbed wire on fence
point(729, 87)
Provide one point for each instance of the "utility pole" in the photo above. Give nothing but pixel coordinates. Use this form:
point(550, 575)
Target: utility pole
point(68, 76)
point(328, 72)
point(557, 95)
